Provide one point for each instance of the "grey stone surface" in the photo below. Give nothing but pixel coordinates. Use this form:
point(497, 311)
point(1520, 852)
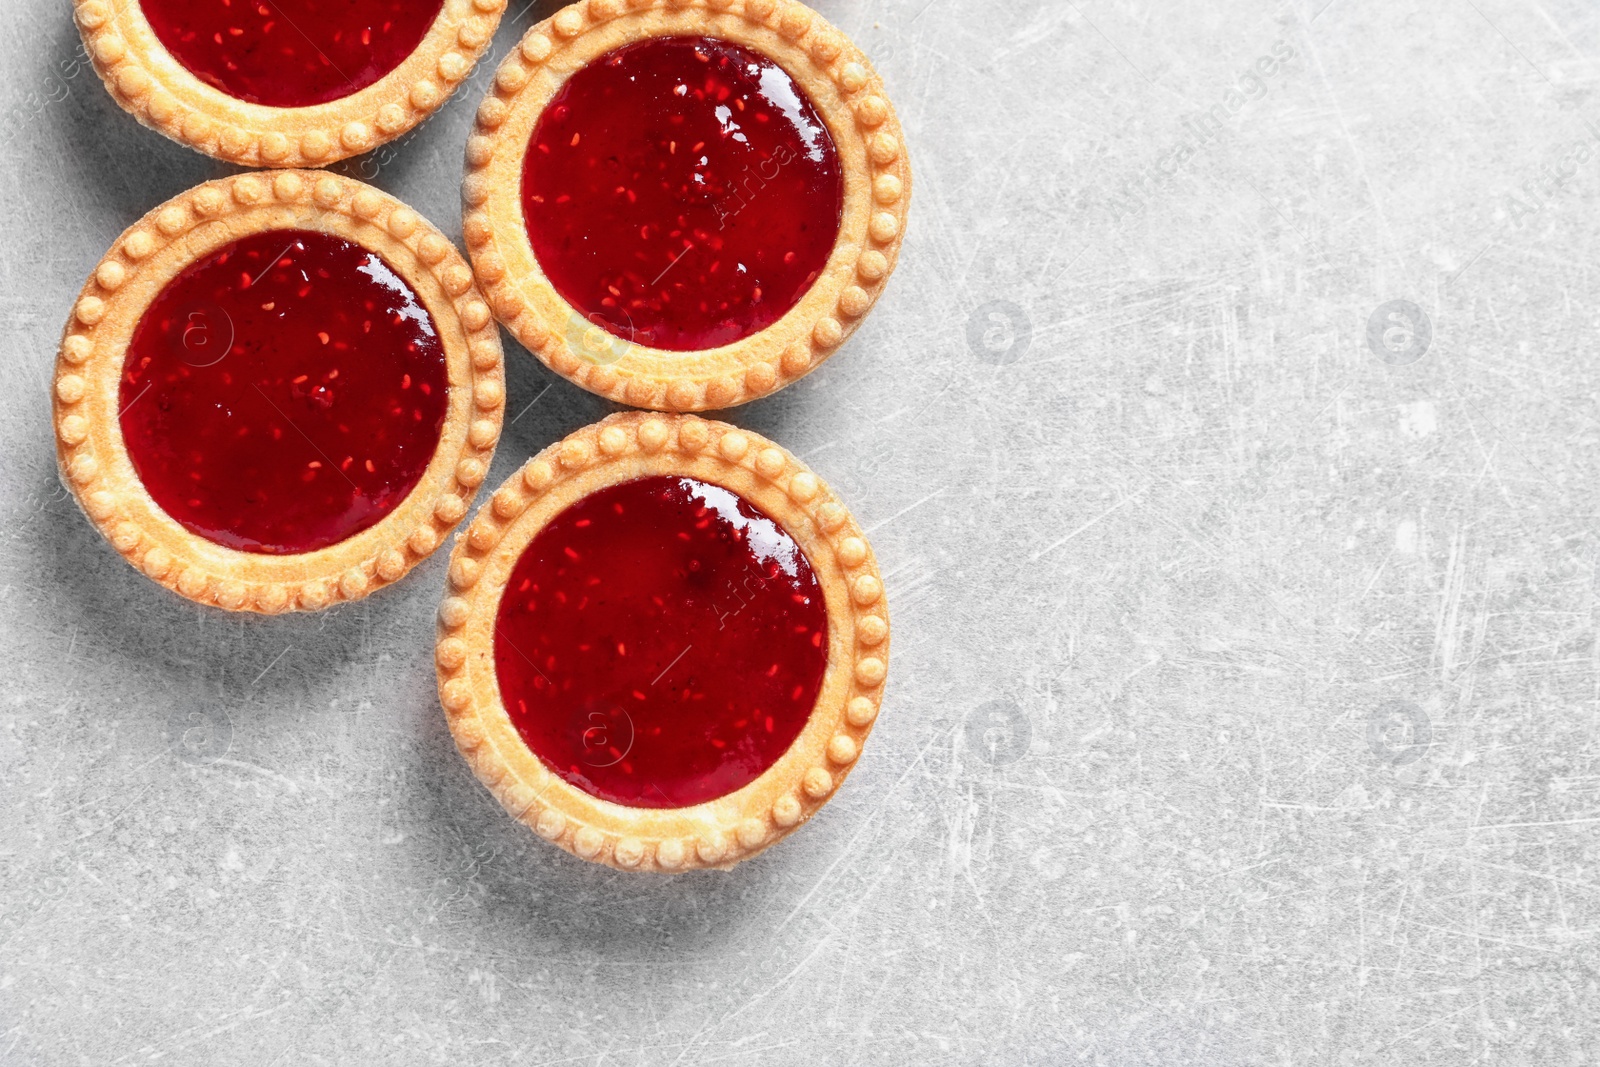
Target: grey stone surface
point(1243, 707)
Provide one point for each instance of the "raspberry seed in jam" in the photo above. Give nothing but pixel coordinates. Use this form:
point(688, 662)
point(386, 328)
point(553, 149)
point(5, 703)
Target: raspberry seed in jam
point(290, 53)
point(682, 192)
point(283, 393)
point(661, 642)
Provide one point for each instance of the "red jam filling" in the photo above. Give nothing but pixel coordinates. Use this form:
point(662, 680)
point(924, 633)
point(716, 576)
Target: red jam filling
point(661, 643)
point(290, 53)
point(283, 393)
point(682, 192)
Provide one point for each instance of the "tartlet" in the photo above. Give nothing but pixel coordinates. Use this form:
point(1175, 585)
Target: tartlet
point(201, 419)
point(286, 83)
point(587, 107)
point(558, 652)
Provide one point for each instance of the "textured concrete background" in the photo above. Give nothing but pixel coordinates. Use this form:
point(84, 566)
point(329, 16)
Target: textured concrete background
point(1244, 700)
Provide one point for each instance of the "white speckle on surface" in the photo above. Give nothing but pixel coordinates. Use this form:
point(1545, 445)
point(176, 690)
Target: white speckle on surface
point(1418, 419)
point(1405, 538)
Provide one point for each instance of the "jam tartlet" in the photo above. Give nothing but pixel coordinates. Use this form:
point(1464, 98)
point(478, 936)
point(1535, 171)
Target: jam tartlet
point(278, 391)
point(684, 205)
point(284, 83)
point(664, 643)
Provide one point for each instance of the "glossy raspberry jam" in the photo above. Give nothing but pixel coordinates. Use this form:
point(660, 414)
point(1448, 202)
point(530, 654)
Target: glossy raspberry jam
point(661, 642)
point(283, 393)
point(290, 53)
point(682, 192)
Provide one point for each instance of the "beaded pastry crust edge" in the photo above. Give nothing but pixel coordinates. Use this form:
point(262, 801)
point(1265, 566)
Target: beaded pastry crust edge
point(93, 459)
point(845, 91)
point(717, 833)
point(163, 95)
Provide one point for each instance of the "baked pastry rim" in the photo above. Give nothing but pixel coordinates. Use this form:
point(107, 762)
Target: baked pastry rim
point(93, 457)
point(161, 93)
point(719, 832)
point(847, 95)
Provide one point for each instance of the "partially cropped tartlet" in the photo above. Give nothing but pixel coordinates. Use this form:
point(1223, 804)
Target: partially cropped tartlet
point(284, 83)
point(278, 391)
point(664, 643)
point(684, 204)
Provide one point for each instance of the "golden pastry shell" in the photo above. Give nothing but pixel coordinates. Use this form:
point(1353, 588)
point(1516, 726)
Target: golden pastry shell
point(153, 87)
point(716, 833)
point(94, 460)
point(848, 96)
